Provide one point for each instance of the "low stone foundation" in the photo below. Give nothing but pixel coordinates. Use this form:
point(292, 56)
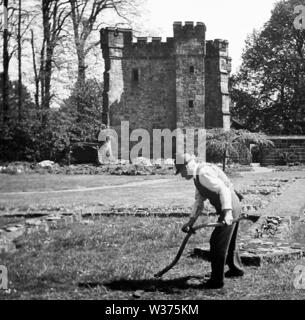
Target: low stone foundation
point(262, 253)
point(268, 241)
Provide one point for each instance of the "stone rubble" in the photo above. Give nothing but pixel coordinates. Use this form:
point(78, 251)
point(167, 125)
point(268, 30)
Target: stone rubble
point(271, 243)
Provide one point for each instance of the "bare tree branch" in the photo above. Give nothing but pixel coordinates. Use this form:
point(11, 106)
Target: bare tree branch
point(85, 17)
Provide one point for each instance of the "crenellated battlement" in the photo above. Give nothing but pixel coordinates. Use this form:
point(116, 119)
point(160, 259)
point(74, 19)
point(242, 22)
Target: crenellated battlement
point(155, 83)
point(156, 40)
point(142, 40)
point(217, 47)
point(152, 41)
point(189, 30)
point(121, 38)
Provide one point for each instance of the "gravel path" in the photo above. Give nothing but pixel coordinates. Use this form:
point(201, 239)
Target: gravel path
point(82, 189)
point(290, 203)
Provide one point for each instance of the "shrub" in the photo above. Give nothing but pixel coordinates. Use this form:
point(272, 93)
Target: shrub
point(28, 139)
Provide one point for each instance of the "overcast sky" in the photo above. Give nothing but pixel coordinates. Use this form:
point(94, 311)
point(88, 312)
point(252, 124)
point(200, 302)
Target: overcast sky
point(232, 20)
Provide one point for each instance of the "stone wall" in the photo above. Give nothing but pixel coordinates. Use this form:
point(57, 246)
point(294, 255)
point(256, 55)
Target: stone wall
point(218, 68)
point(165, 85)
point(291, 148)
point(149, 89)
point(190, 74)
point(141, 81)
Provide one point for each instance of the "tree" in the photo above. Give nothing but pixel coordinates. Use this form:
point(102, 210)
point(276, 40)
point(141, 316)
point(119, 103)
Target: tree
point(85, 16)
point(224, 143)
point(36, 74)
point(5, 81)
point(24, 22)
point(18, 138)
point(19, 60)
point(84, 109)
point(54, 16)
point(269, 89)
point(17, 25)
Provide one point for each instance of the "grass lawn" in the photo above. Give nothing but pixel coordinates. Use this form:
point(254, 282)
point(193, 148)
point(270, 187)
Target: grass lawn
point(168, 190)
point(114, 257)
point(51, 182)
point(53, 191)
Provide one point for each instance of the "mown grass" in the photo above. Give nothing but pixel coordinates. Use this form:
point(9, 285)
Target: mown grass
point(171, 190)
point(49, 182)
point(115, 257)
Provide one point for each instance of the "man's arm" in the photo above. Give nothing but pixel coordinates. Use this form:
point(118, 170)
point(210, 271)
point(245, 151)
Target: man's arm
point(197, 209)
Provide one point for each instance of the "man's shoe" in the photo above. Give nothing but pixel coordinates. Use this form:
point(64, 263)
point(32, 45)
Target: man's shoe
point(234, 273)
point(210, 284)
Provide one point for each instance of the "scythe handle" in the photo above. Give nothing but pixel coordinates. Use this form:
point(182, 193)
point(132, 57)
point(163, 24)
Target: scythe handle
point(176, 259)
point(189, 234)
point(216, 224)
point(184, 242)
point(243, 216)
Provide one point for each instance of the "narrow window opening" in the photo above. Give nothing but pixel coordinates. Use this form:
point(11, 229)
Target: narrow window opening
point(135, 75)
point(192, 69)
point(191, 103)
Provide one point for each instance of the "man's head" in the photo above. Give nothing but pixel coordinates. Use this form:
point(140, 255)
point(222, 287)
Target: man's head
point(182, 162)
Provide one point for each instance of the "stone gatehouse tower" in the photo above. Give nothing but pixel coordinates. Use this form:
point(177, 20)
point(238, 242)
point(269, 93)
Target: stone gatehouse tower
point(180, 83)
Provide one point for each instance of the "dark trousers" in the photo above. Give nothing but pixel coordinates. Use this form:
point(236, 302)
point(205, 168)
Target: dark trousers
point(223, 246)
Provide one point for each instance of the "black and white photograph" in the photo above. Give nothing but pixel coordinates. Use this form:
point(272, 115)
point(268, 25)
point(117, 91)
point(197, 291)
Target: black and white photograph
point(152, 151)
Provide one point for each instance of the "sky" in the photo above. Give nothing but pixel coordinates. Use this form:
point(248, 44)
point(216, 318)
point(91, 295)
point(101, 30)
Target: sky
point(231, 20)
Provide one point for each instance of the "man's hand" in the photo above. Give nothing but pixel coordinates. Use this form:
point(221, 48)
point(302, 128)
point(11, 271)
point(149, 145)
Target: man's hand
point(187, 227)
point(228, 217)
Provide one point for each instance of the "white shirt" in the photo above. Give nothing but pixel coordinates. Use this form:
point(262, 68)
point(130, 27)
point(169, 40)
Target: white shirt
point(214, 179)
